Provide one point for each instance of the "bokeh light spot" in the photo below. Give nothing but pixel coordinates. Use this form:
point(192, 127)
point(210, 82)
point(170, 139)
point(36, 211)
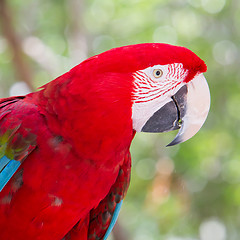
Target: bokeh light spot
point(187, 24)
point(225, 52)
point(195, 183)
point(165, 166)
point(212, 230)
point(145, 169)
point(165, 34)
point(213, 6)
point(231, 173)
point(18, 89)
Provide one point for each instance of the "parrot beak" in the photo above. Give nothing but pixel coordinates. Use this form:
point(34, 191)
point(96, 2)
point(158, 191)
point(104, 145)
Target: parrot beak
point(187, 110)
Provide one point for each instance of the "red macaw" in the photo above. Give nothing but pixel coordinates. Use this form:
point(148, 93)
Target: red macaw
point(64, 150)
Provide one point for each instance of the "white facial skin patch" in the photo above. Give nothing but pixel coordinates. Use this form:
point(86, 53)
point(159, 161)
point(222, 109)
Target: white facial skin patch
point(153, 88)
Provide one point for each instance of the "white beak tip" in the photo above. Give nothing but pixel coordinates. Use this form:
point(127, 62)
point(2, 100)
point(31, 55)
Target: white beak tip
point(197, 108)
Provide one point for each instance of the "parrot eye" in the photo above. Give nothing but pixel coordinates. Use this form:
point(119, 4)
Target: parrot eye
point(157, 73)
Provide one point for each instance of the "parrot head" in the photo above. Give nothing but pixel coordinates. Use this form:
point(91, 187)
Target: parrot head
point(164, 83)
point(150, 87)
point(171, 94)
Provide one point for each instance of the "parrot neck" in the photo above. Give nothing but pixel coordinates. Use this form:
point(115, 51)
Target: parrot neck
point(96, 121)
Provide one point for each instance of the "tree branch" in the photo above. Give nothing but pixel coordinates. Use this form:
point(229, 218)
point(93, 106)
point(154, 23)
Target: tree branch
point(77, 35)
point(23, 71)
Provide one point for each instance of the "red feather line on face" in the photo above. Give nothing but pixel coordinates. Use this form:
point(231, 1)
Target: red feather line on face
point(148, 89)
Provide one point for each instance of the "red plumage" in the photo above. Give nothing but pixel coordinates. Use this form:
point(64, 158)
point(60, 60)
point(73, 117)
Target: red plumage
point(79, 168)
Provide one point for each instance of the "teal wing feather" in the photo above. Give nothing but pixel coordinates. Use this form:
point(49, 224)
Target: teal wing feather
point(7, 172)
point(114, 219)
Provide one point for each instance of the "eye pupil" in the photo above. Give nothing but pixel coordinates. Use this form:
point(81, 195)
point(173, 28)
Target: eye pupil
point(157, 73)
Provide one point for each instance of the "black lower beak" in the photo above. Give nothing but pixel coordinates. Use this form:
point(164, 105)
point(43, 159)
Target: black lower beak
point(168, 117)
point(187, 110)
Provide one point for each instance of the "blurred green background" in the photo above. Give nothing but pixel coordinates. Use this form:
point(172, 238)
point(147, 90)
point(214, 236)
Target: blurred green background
point(186, 192)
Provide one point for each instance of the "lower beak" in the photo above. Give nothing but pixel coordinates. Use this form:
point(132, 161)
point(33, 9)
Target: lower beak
point(187, 110)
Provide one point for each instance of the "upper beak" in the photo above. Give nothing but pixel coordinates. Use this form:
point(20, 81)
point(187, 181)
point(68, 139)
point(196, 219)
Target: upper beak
point(187, 110)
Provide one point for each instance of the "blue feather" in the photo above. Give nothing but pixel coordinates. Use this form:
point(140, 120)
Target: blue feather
point(7, 169)
point(114, 219)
